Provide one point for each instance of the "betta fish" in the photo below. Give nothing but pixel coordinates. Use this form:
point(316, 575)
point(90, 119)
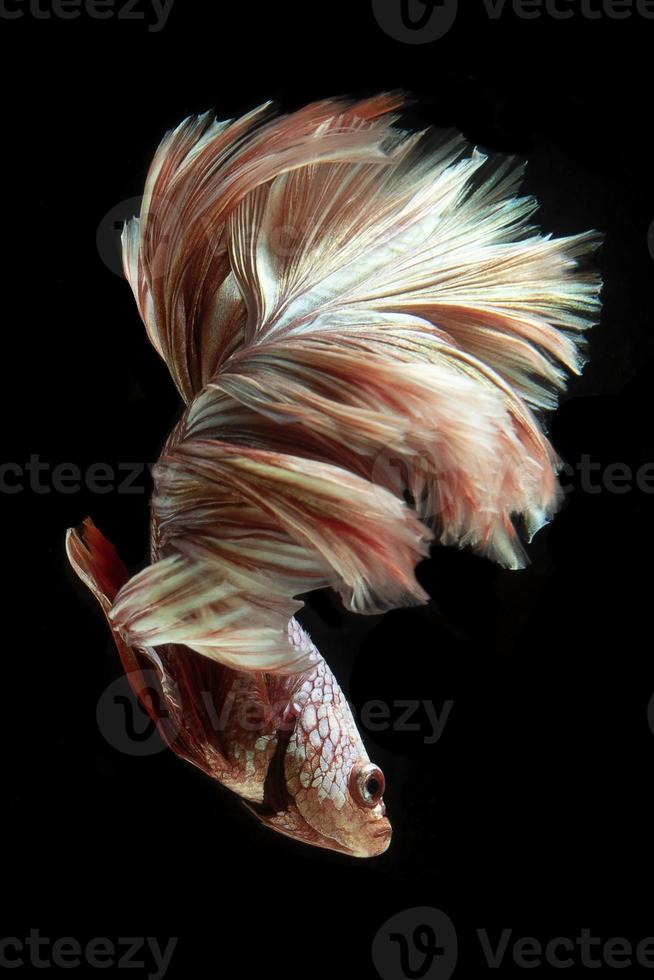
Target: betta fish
point(366, 330)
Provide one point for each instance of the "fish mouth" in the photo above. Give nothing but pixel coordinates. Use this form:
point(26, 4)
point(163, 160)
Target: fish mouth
point(291, 823)
point(382, 839)
point(374, 842)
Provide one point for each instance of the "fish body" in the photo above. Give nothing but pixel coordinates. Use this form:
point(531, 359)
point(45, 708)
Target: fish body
point(355, 317)
point(286, 744)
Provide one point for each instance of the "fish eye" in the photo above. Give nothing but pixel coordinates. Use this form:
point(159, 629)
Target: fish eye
point(367, 784)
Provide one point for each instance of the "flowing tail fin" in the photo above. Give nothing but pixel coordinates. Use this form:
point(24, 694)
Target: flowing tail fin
point(356, 317)
point(96, 562)
point(172, 684)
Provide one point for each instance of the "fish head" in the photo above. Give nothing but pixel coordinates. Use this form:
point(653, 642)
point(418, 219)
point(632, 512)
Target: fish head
point(321, 786)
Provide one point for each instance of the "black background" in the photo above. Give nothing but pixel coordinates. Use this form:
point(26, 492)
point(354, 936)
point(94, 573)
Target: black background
point(534, 810)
